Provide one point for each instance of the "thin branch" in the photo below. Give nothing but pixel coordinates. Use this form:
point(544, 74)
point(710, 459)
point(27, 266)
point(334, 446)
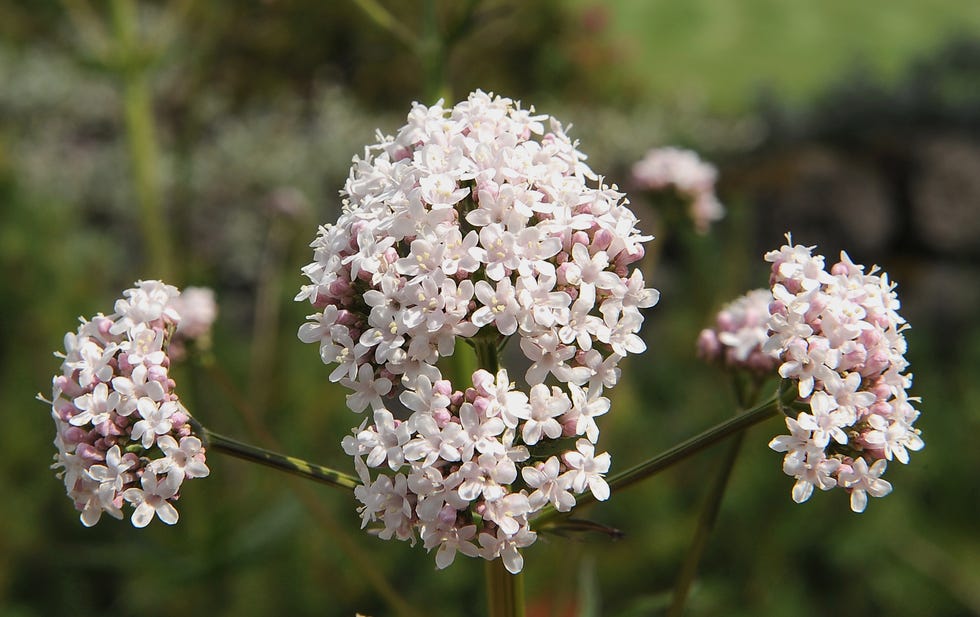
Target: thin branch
point(381, 16)
point(680, 452)
point(706, 522)
point(289, 464)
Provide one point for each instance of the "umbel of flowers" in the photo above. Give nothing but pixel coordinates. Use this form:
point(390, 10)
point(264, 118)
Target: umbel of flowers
point(123, 437)
point(683, 173)
point(839, 336)
point(479, 222)
point(740, 332)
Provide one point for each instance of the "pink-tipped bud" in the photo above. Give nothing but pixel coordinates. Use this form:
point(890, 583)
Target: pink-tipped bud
point(442, 417)
point(569, 426)
point(602, 239)
point(708, 345)
point(443, 387)
point(447, 515)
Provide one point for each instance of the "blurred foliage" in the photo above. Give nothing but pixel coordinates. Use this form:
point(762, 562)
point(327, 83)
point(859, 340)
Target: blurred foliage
point(259, 108)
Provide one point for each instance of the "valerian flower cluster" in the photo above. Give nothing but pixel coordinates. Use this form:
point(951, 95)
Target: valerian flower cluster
point(123, 435)
point(740, 332)
point(476, 223)
point(683, 173)
point(839, 336)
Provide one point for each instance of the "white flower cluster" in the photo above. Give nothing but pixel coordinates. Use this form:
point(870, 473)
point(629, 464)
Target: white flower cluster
point(682, 171)
point(122, 433)
point(741, 329)
point(475, 222)
point(839, 336)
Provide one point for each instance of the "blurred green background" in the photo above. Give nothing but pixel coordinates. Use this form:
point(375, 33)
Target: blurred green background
point(204, 141)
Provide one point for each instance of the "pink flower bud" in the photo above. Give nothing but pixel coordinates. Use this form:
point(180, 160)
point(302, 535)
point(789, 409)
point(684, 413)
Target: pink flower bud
point(569, 426)
point(447, 515)
point(708, 346)
point(442, 417)
point(90, 453)
point(339, 288)
point(443, 387)
point(602, 239)
point(158, 373)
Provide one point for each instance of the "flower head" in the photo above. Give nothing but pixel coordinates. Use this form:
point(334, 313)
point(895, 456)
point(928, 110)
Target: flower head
point(684, 173)
point(739, 334)
point(837, 333)
point(121, 431)
point(474, 223)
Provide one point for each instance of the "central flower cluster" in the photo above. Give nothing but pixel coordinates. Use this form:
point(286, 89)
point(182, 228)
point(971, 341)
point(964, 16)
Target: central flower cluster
point(476, 223)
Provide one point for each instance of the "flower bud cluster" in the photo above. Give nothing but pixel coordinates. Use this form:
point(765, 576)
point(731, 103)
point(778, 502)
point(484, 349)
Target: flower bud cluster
point(475, 223)
point(839, 336)
point(738, 336)
point(123, 435)
point(683, 172)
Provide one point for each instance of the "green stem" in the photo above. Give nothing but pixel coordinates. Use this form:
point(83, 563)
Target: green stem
point(383, 18)
point(706, 522)
point(289, 464)
point(432, 53)
point(486, 355)
point(505, 591)
point(324, 517)
point(680, 452)
point(265, 326)
point(141, 135)
point(747, 393)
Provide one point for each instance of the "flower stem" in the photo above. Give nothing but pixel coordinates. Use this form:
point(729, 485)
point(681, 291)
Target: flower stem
point(377, 13)
point(706, 522)
point(141, 134)
point(505, 591)
point(289, 464)
point(680, 452)
point(486, 354)
point(323, 516)
point(432, 54)
point(746, 392)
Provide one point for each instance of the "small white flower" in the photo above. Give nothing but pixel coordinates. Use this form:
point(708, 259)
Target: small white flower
point(585, 469)
point(549, 488)
point(114, 401)
point(152, 499)
point(113, 475)
point(367, 390)
point(863, 481)
point(183, 460)
point(155, 420)
point(587, 405)
point(500, 306)
point(545, 406)
point(96, 407)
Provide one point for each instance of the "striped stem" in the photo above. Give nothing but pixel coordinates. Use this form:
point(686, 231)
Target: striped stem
point(289, 464)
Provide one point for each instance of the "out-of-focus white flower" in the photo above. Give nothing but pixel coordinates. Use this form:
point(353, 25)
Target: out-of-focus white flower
point(197, 309)
point(477, 222)
point(838, 334)
point(683, 172)
point(121, 432)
